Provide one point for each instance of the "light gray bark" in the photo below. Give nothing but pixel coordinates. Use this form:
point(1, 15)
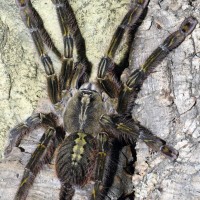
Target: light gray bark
point(169, 103)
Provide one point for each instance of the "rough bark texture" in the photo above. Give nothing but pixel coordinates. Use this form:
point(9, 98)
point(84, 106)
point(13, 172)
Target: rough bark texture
point(169, 103)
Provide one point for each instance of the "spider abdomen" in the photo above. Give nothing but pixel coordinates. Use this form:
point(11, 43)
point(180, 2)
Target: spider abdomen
point(75, 158)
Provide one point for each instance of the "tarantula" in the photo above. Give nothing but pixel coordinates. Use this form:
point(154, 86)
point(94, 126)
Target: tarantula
point(93, 130)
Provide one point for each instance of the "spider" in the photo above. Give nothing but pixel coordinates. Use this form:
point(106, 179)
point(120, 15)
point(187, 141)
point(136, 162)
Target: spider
point(91, 122)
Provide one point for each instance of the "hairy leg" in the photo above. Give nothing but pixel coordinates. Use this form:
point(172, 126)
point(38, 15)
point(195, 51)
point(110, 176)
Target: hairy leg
point(126, 129)
point(108, 73)
point(34, 121)
point(71, 75)
point(116, 182)
point(67, 61)
point(34, 23)
point(42, 154)
point(102, 145)
point(130, 89)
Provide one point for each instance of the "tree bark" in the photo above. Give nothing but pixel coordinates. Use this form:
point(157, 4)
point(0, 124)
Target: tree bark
point(168, 104)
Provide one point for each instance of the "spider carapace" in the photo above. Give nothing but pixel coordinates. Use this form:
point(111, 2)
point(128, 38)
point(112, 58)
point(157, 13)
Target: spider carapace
point(96, 123)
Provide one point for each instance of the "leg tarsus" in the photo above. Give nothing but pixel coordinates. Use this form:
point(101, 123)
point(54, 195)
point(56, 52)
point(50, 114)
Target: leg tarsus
point(157, 143)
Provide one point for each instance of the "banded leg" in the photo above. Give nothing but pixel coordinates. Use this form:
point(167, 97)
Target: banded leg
point(19, 131)
point(117, 180)
point(124, 62)
point(133, 85)
point(67, 61)
point(72, 35)
point(116, 183)
point(100, 163)
point(39, 35)
point(78, 41)
point(106, 77)
point(125, 128)
point(32, 19)
point(157, 143)
point(42, 154)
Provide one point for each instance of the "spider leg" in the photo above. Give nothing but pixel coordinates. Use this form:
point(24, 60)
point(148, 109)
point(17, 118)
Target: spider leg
point(32, 20)
point(72, 36)
point(125, 128)
point(70, 76)
point(67, 61)
point(133, 85)
point(40, 37)
point(34, 121)
point(100, 163)
point(157, 143)
point(42, 154)
point(130, 36)
point(116, 180)
point(107, 74)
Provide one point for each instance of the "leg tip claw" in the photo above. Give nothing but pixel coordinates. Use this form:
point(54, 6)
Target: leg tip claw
point(169, 152)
